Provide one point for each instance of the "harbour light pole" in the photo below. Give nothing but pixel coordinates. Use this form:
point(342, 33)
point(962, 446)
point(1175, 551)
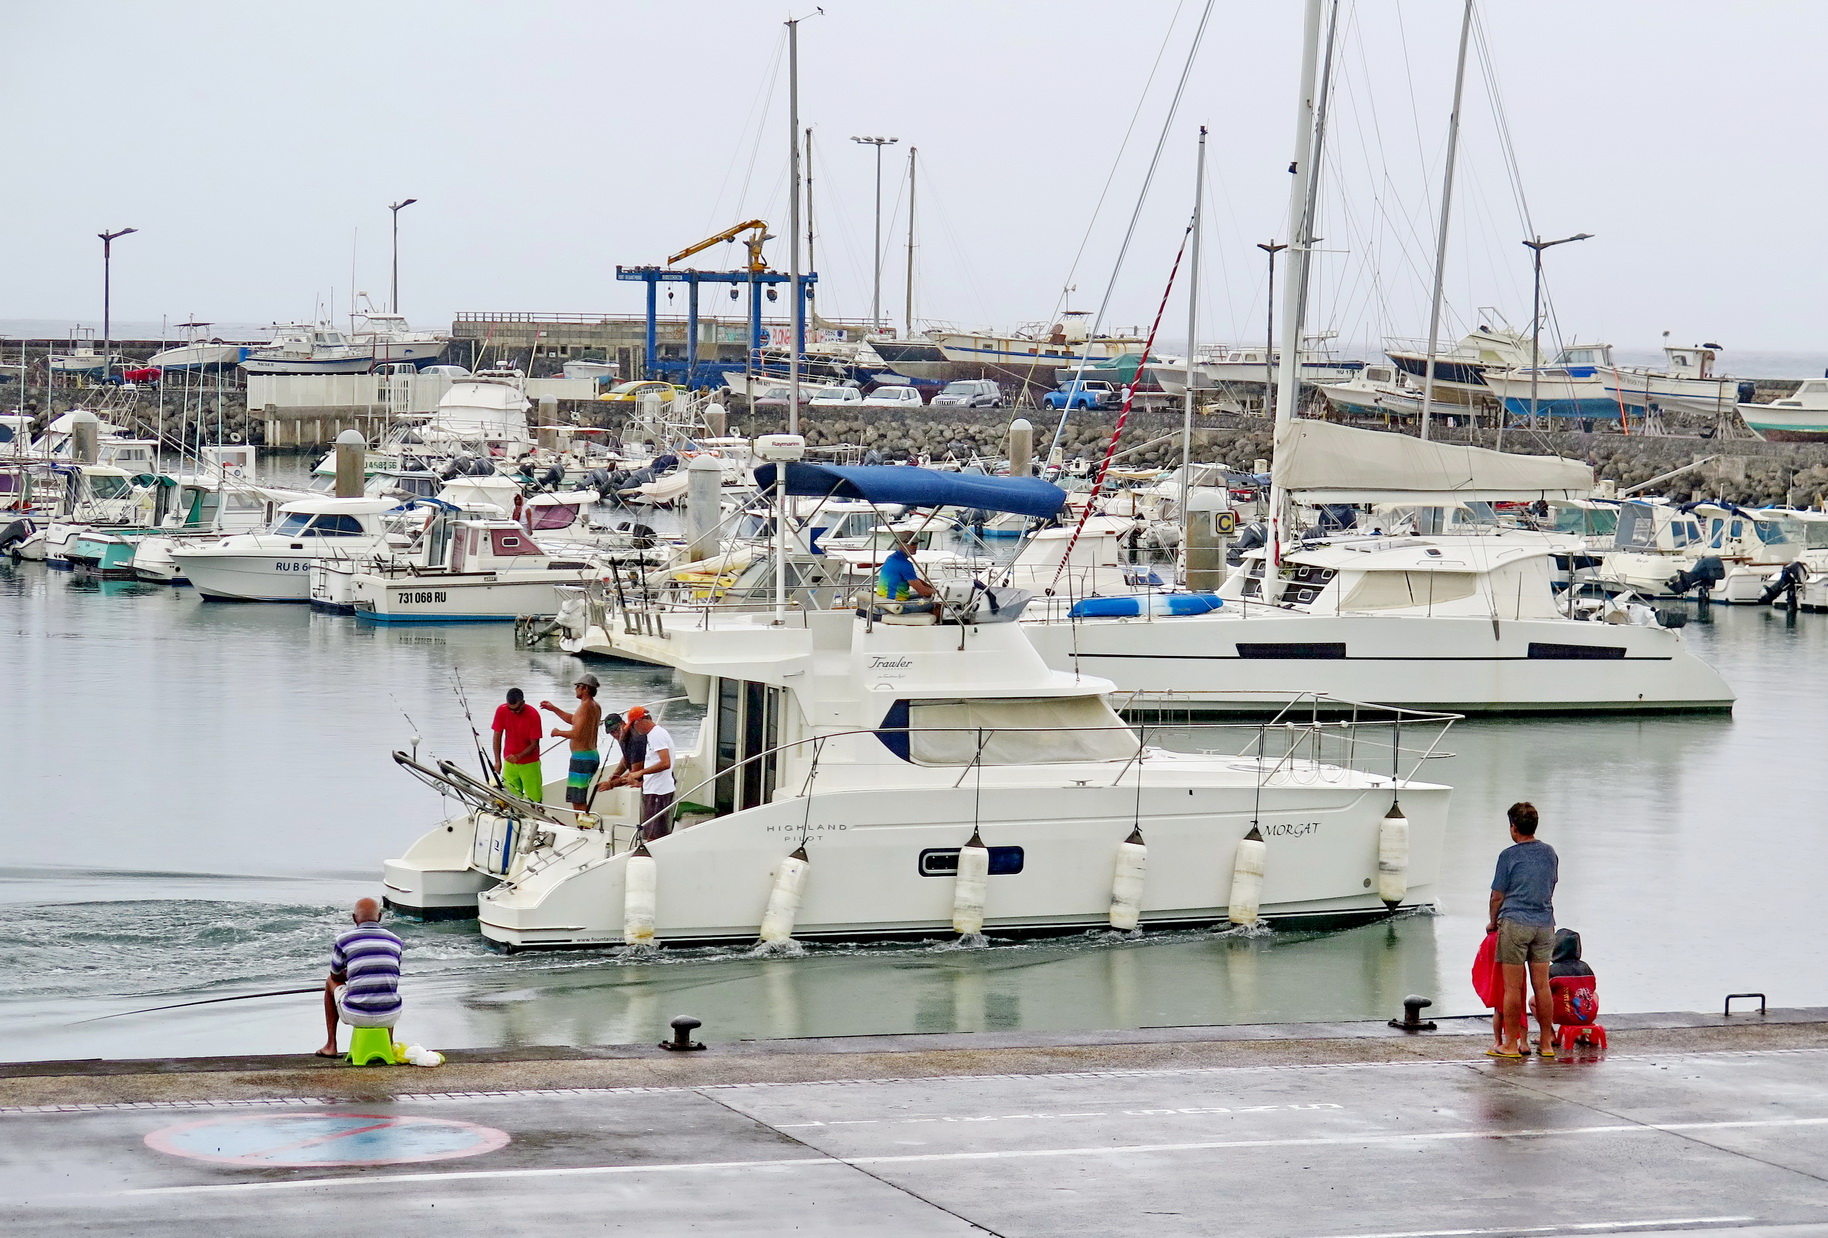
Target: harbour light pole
point(1269, 335)
point(1537, 245)
point(108, 239)
point(876, 255)
point(393, 296)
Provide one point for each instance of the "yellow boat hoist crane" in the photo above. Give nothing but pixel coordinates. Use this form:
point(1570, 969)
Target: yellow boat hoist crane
point(759, 235)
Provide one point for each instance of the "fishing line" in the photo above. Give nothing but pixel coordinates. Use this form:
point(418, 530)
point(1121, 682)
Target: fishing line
point(489, 775)
point(207, 1001)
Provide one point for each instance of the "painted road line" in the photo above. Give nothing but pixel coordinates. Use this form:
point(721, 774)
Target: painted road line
point(1010, 1154)
point(1104, 1113)
point(1585, 1227)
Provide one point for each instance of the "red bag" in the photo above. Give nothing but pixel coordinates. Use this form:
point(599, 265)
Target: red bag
point(1576, 1000)
point(1488, 980)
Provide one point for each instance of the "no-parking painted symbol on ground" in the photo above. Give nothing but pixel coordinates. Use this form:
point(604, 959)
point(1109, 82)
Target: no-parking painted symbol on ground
point(322, 1140)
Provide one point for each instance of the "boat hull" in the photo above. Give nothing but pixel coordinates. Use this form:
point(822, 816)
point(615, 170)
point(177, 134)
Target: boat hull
point(487, 597)
point(1223, 663)
point(868, 879)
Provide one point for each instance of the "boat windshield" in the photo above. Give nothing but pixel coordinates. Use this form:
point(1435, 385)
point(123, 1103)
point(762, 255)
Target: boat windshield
point(299, 524)
point(108, 487)
point(1016, 731)
point(1588, 521)
point(1778, 532)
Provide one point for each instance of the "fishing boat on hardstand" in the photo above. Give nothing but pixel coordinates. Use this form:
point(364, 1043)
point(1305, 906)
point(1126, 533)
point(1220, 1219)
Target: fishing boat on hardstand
point(872, 774)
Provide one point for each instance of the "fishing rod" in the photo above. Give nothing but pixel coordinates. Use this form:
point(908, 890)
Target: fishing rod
point(489, 774)
point(207, 1001)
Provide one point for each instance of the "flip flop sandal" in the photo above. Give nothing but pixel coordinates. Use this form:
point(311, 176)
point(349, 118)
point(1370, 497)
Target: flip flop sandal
point(1502, 1053)
point(1546, 1051)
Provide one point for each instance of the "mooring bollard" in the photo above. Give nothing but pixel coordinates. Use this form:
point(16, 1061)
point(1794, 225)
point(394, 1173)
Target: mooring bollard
point(682, 1041)
point(1412, 1020)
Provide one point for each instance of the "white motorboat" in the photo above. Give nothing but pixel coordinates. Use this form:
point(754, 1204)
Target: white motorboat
point(308, 348)
point(858, 778)
point(468, 571)
point(1801, 417)
point(391, 341)
point(1686, 384)
point(200, 351)
point(1660, 549)
point(1032, 353)
point(1376, 390)
point(1459, 372)
point(1573, 385)
point(275, 565)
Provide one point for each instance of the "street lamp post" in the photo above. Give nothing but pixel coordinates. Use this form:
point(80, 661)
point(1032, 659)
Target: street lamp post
point(1537, 245)
point(876, 255)
point(393, 296)
point(1269, 338)
point(108, 239)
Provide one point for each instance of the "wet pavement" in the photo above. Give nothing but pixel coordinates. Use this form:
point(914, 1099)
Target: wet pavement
point(1688, 1123)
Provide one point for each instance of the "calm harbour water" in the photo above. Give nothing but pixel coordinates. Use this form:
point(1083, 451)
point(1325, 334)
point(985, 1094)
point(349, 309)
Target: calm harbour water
point(194, 793)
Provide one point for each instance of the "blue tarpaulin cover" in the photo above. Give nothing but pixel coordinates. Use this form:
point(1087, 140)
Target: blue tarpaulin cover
point(917, 487)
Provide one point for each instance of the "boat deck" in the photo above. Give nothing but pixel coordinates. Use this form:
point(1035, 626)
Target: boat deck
point(1690, 1123)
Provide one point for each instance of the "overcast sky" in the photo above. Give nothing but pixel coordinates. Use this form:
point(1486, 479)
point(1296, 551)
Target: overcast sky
point(256, 146)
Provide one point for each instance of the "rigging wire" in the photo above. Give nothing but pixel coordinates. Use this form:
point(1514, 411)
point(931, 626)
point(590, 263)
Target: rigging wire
point(1142, 197)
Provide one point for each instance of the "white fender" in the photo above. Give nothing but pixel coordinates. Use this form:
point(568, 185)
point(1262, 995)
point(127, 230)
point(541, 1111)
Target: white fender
point(1393, 856)
point(969, 886)
point(640, 879)
point(784, 898)
point(1127, 882)
point(1247, 878)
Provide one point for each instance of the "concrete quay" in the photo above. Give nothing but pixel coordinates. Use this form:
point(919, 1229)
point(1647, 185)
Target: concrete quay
point(1689, 1123)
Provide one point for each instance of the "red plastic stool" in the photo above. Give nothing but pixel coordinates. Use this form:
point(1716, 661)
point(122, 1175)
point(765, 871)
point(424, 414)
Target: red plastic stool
point(1567, 1035)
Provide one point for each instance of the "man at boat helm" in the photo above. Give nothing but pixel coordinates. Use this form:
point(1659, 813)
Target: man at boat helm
point(583, 737)
point(898, 580)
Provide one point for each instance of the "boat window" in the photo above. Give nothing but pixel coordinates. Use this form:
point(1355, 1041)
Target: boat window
point(293, 525)
point(1404, 590)
point(555, 515)
point(336, 526)
point(1565, 652)
point(509, 542)
point(1776, 532)
point(108, 487)
point(943, 861)
point(1816, 531)
point(1592, 522)
point(1009, 731)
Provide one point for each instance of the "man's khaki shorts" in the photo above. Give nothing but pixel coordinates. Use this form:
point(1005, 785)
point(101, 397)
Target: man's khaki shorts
point(1525, 943)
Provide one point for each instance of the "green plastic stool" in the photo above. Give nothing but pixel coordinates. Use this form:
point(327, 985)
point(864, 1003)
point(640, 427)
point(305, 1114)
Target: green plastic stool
point(368, 1045)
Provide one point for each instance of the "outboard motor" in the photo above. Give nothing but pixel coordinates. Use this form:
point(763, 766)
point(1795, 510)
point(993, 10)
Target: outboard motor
point(552, 477)
point(1748, 392)
point(1250, 537)
point(482, 467)
point(1784, 583)
point(13, 534)
point(1669, 617)
point(1707, 572)
point(643, 537)
point(665, 464)
point(598, 480)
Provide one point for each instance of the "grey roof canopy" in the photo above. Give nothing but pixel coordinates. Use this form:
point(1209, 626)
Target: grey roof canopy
point(1319, 462)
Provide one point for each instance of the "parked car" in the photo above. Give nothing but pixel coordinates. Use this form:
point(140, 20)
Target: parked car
point(631, 393)
point(895, 396)
point(775, 395)
point(1082, 395)
point(837, 397)
point(969, 393)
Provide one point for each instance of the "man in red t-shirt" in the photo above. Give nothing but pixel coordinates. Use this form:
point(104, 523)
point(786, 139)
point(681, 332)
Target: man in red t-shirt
point(519, 726)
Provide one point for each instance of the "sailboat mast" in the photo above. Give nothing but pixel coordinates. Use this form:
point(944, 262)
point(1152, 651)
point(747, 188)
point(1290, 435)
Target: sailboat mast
point(812, 263)
point(797, 323)
point(1193, 334)
point(1288, 384)
point(1447, 201)
point(908, 307)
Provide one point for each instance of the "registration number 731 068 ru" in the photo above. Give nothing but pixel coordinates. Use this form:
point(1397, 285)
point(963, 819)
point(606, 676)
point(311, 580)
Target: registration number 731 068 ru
point(421, 596)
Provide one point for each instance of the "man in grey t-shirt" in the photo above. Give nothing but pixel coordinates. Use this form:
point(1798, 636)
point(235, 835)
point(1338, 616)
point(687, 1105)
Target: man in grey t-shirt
point(1523, 916)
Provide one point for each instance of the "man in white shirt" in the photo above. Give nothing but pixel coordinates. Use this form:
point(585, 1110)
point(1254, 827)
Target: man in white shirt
point(655, 773)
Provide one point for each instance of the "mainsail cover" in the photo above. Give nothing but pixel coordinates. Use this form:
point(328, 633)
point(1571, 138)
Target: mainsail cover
point(1319, 462)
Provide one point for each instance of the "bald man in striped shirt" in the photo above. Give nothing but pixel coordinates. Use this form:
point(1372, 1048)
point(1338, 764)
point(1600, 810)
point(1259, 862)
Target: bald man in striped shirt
point(364, 985)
